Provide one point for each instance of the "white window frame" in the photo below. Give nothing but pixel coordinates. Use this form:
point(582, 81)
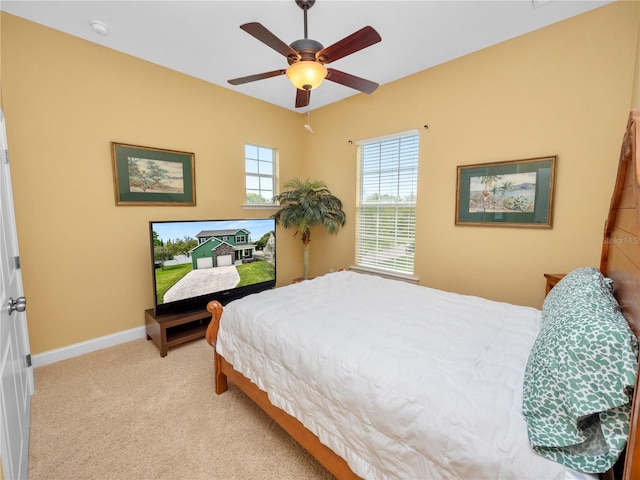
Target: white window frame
point(387, 184)
point(267, 182)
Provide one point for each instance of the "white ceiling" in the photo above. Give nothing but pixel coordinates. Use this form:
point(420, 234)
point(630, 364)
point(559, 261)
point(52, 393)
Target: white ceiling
point(203, 39)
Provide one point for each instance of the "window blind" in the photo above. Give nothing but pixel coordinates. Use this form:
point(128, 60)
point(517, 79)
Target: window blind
point(386, 213)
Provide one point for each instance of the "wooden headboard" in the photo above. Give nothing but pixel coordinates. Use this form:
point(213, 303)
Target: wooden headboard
point(620, 260)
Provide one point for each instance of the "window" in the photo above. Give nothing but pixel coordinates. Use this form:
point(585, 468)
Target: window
point(386, 210)
point(259, 164)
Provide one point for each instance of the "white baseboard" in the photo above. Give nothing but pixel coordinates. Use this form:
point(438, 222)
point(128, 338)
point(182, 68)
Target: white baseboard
point(52, 356)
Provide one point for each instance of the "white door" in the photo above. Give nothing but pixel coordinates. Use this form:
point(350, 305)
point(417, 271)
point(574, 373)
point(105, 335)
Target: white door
point(224, 260)
point(204, 262)
point(15, 361)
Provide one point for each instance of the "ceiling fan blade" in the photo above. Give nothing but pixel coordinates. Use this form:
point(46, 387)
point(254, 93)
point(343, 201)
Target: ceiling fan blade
point(257, 76)
point(363, 38)
point(348, 80)
point(260, 32)
point(302, 97)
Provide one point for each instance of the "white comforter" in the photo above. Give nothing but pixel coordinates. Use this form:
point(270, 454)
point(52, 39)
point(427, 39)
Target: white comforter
point(402, 381)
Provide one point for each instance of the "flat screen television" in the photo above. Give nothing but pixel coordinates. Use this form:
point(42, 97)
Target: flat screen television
point(196, 261)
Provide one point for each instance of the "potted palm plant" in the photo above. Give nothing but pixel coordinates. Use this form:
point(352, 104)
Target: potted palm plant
point(305, 204)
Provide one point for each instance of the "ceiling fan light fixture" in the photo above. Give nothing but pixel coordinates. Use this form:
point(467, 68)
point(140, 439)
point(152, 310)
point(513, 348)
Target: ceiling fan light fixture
point(306, 74)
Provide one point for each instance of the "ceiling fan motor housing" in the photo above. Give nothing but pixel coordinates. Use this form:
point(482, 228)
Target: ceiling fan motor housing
point(306, 48)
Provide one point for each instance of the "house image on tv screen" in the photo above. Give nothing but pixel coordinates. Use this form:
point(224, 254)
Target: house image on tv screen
point(220, 248)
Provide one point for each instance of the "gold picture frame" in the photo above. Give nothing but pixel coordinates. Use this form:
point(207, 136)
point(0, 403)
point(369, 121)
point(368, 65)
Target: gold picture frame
point(516, 193)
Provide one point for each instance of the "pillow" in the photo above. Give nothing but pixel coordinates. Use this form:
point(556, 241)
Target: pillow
point(576, 399)
point(585, 282)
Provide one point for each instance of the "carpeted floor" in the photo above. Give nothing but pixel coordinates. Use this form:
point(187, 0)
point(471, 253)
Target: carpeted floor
point(126, 413)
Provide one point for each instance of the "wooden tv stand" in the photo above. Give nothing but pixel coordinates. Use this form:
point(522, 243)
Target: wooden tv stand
point(175, 328)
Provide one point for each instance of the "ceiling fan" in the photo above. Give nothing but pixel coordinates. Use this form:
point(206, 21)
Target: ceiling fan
point(307, 58)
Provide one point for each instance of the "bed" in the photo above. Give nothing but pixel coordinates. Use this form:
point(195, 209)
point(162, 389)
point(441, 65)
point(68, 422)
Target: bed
point(419, 383)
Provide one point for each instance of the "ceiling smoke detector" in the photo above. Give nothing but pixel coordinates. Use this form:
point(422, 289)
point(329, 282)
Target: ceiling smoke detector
point(100, 28)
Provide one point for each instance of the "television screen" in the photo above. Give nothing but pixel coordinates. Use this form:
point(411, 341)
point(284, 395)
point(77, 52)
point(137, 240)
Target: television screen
point(196, 261)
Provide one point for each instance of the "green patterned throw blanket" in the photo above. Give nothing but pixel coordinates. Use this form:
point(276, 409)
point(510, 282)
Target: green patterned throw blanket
point(580, 375)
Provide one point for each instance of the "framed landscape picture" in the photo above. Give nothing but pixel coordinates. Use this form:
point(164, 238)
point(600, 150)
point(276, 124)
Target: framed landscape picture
point(517, 193)
point(152, 176)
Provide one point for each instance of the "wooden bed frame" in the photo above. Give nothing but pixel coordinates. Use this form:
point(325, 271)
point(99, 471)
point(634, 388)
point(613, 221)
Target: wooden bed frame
point(620, 261)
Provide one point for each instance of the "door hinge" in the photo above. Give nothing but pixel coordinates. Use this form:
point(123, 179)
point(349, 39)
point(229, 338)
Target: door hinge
point(28, 358)
point(17, 262)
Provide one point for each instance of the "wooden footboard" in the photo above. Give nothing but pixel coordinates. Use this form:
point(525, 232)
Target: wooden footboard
point(215, 308)
point(224, 371)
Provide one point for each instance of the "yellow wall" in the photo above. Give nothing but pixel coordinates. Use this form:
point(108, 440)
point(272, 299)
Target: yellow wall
point(563, 90)
point(85, 261)
point(635, 101)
